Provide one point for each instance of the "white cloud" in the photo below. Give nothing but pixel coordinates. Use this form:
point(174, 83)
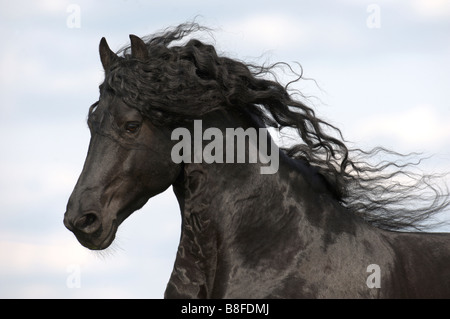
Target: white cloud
point(139, 265)
point(422, 8)
point(41, 267)
point(52, 6)
point(271, 29)
point(432, 9)
point(263, 31)
point(284, 32)
point(52, 254)
point(419, 126)
point(23, 70)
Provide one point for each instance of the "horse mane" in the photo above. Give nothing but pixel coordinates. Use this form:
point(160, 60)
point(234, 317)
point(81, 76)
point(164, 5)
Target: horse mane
point(183, 81)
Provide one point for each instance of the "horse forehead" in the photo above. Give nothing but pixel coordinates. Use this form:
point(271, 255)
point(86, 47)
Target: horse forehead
point(111, 106)
point(98, 114)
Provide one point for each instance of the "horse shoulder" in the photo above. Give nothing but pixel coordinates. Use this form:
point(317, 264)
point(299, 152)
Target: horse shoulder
point(420, 268)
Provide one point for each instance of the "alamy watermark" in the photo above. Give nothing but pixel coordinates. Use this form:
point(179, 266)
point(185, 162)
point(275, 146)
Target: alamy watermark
point(73, 280)
point(374, 279)
point(373, 21)
point(73, 20)
point(228, 149)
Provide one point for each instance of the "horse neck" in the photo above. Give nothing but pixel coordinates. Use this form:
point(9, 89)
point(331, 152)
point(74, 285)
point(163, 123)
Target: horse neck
point(226, 201)
point(232, 209)
point(206, 190)
point(212, 195)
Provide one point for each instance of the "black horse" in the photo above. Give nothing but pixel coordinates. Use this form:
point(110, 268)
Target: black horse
point(326, 222)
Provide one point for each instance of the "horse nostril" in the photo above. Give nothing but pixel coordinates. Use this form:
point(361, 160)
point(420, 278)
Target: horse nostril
point(87, 223)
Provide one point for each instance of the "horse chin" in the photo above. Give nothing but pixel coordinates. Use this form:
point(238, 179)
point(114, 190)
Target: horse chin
point(100, 241)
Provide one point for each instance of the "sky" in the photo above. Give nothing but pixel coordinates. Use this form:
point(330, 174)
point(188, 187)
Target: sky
point(381, 73)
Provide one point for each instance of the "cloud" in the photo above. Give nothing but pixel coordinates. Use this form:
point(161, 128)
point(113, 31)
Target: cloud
point(420, 8)
point(36, 265)
point(41, 268)
point(283, 31)
point(52, 6)
point(27, 9)
point(269, 30)
point(431, 9)
point(48, 253)
point(418, 126)
point(21, 69)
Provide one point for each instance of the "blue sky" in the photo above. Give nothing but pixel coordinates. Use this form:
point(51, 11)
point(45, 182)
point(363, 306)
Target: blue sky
point(383, 82)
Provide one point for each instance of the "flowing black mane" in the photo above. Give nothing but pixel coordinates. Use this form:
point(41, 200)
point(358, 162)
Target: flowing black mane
point(183, 81)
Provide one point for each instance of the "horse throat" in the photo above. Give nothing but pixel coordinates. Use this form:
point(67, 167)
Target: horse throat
point(194, 264)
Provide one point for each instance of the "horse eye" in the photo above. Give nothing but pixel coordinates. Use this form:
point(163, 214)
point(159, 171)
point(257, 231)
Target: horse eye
point(132, 127)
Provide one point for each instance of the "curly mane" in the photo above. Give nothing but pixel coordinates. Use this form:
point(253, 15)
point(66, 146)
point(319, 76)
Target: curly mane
point(182, 81)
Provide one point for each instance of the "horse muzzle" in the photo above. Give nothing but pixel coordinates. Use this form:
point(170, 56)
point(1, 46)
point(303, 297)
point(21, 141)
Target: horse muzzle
point(89, 229)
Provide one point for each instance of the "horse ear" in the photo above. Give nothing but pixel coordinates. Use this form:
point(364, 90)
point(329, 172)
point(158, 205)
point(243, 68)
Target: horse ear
point(138, 48)
point(107, 56)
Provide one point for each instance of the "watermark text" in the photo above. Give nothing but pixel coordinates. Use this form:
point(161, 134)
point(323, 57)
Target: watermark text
point(230, 148)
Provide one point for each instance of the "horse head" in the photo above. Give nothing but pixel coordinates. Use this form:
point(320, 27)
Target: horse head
point(128, 162)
